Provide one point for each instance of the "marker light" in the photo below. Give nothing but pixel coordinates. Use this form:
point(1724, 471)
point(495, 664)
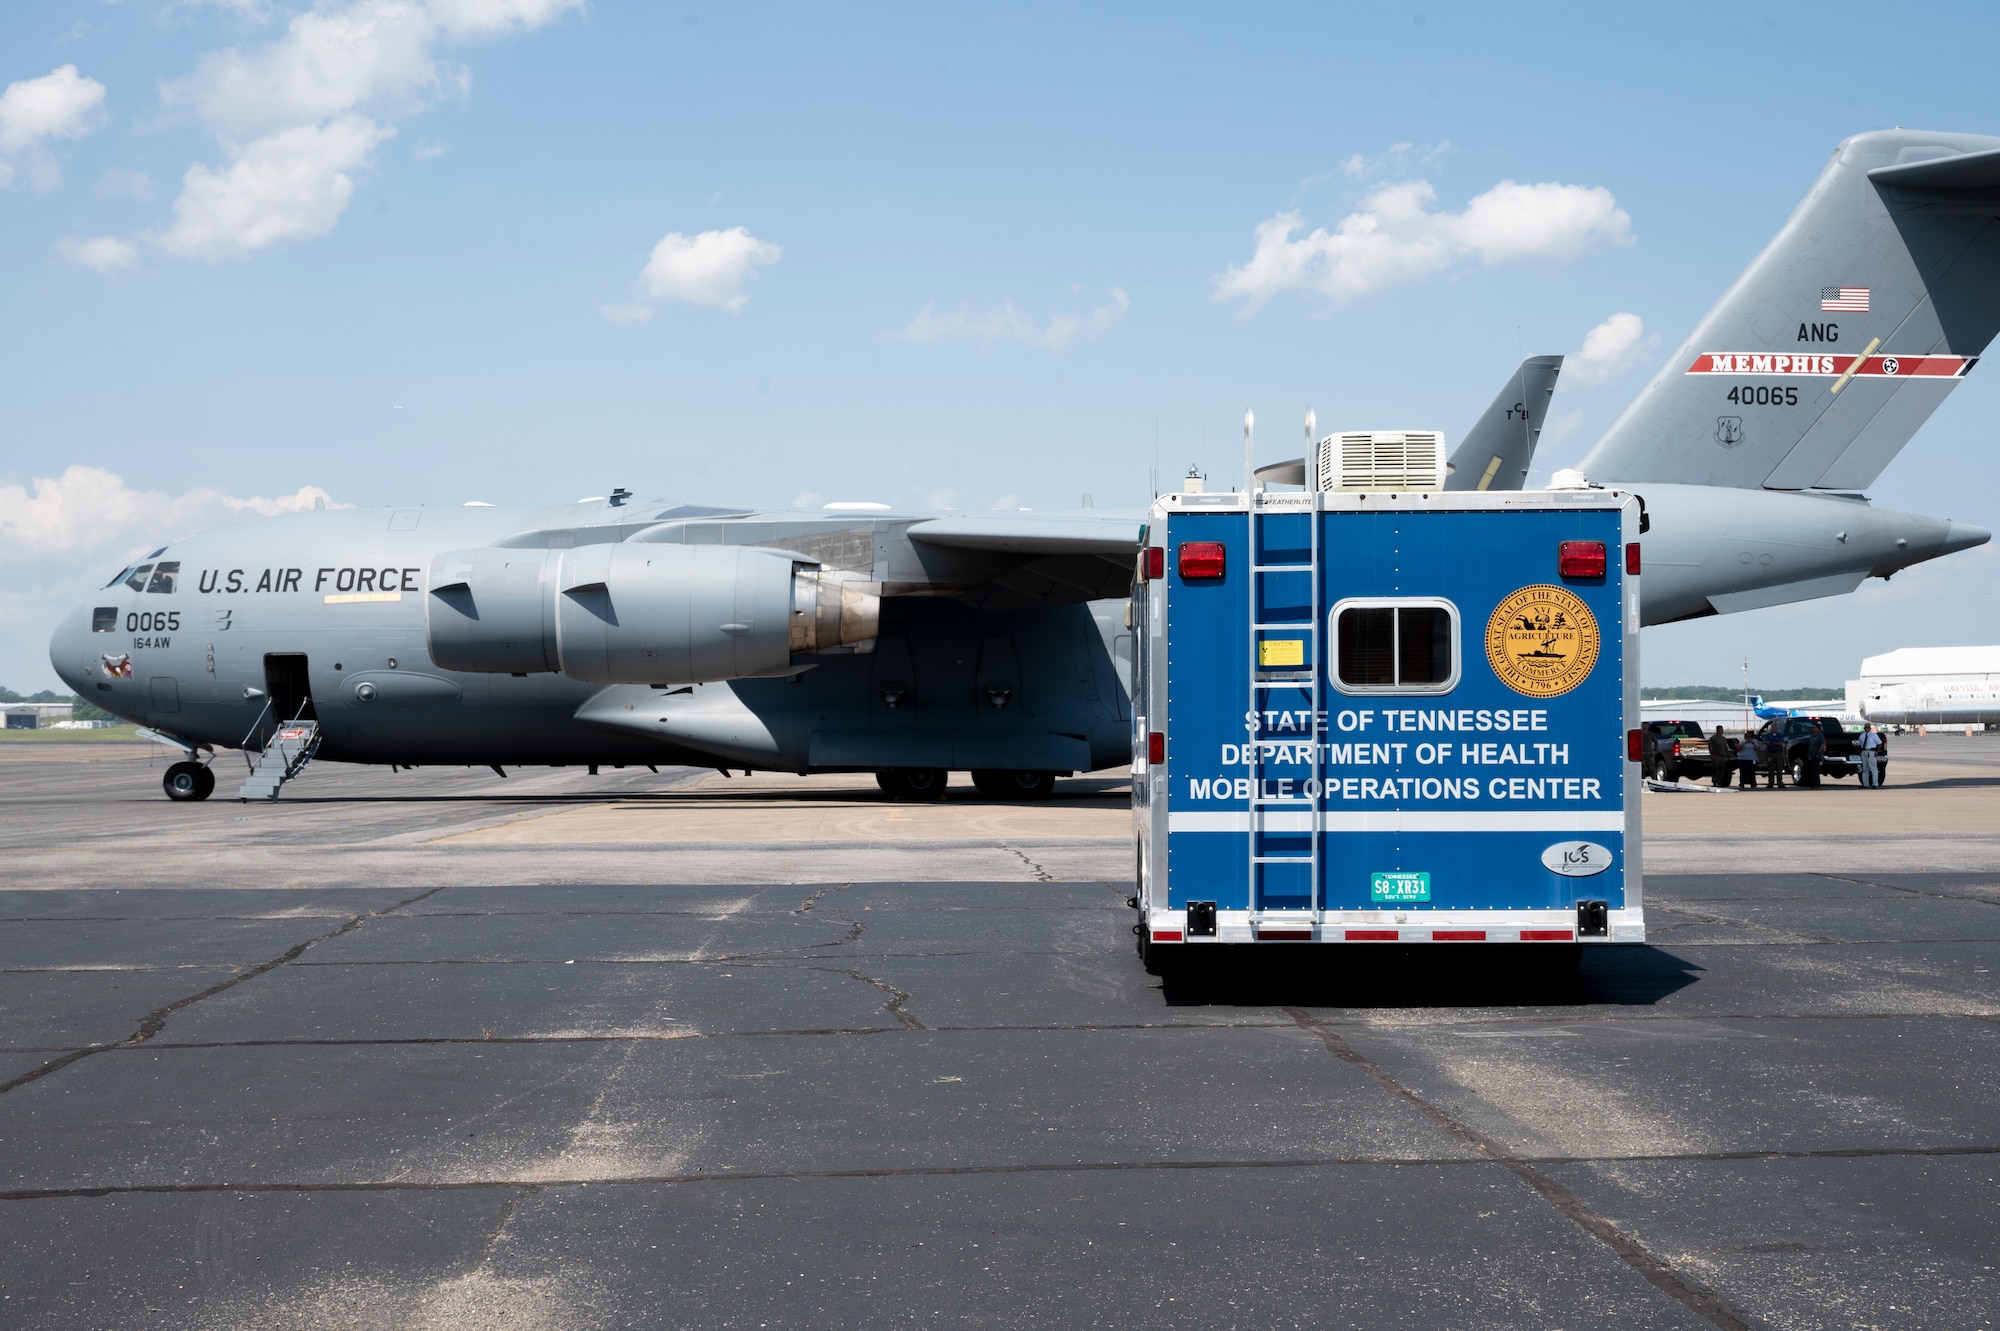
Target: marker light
point(1580, 559)
point(1633, 748)
point(1632, 558)
point(1203, 560)
point(1156, 746)
point(1156, 563)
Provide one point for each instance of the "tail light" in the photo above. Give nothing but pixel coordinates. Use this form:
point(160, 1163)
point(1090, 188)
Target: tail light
point(1634, 741)
point(1580, 559)
point(1677, 748)
point(1202, 561)
point(1632, 558)
point(1155, 565)
point(1156, 747)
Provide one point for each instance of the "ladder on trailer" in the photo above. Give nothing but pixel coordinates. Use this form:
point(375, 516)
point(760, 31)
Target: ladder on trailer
point(1266, 587)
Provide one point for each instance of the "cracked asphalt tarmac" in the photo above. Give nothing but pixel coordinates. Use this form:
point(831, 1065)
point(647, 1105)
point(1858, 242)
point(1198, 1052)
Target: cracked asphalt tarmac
point(425, 1050)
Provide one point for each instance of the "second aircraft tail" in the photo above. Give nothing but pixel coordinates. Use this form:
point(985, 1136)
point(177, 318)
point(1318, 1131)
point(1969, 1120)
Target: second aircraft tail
point(1496, 451)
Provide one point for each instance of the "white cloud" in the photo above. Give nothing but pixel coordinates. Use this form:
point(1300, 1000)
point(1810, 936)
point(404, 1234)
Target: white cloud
point(1005, 503)
point(1009, 324)
point(89, 510)
point(708, 269)
point(946, 498)
point(298, 116)
point(107, 254)
point(1609, 350)
point(291, 185)
point(373, 53)
point(426, 151)
point(1397, 236)
point(34, 113)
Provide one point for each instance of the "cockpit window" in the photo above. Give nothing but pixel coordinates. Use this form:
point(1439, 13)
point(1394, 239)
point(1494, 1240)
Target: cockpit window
point(104, 619)
point(119, 576)
point(137, 578)
point(166, 574)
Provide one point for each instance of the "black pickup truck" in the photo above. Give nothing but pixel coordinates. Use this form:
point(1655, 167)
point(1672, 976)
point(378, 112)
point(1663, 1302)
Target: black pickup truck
point(1843, 747)
point(1674, 750)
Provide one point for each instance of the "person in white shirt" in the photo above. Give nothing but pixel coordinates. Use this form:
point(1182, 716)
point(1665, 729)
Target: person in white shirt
point(1871, 743)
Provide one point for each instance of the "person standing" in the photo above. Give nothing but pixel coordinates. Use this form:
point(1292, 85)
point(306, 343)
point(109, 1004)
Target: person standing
point(1746, 761)
point(1774, 757)
point(1871, 748)
point(1815, 754)
point(1721, 758)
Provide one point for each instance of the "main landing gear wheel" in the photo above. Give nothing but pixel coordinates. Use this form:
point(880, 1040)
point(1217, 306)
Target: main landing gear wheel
point(1014, 785)
point(913, 783)
point(188, 781)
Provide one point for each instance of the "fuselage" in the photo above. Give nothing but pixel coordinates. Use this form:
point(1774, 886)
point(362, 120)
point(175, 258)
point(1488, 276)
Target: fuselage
point(225, 633)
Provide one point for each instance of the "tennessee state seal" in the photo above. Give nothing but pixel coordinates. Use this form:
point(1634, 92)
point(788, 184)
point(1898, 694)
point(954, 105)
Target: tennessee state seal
point(1542, 641)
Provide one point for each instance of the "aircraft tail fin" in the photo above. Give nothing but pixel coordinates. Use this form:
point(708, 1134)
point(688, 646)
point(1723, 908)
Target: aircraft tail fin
point(1841, 338)
point(1496, 452)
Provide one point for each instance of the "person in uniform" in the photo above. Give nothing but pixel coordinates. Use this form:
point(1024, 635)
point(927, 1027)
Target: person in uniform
point(1815, 753)
point(1774, 758)
point(1721, 758)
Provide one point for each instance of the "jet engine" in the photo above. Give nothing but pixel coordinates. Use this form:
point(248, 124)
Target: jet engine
point(622, 613)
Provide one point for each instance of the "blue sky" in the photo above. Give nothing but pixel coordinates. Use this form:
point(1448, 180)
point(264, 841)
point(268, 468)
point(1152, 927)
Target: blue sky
point(516, 250)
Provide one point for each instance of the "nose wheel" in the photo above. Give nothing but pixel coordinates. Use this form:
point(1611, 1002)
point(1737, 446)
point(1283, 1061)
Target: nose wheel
point(188, 781)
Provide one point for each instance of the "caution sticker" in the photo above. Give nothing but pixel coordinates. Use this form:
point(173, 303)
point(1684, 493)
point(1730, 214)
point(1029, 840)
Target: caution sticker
point(1542, 641)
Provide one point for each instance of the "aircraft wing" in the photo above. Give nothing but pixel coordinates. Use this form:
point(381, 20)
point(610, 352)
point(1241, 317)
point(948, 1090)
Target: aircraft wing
point(1003, 561)
point(1112, 533)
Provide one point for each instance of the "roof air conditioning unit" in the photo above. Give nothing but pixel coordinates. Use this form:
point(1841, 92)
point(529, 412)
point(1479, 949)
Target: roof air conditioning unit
point(1381, 461)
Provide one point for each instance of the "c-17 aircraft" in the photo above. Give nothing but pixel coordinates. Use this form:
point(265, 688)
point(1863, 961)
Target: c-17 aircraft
point(620, 631)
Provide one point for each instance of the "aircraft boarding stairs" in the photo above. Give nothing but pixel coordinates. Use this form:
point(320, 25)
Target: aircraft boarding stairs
point(285, 755)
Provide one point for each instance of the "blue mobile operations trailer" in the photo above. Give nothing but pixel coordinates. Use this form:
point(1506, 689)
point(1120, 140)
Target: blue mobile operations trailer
point(1388, 718)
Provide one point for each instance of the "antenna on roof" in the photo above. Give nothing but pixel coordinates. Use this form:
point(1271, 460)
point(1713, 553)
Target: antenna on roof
point(1249, 450)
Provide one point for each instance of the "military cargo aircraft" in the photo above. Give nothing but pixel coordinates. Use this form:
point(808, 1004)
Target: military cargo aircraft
point(619, 631)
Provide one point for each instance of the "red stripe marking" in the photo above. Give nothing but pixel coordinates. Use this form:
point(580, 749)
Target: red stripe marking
point(1547, 935)
point(1373, 935)
point(1458, 935)
point(1823, 365)
point(1285, 935)
point(1166, 935)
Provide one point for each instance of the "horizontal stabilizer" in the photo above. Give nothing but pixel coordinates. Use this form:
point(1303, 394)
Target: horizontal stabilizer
point(1499, 448)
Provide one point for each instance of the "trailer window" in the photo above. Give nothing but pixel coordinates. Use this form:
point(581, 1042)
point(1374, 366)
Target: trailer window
point(1395, 646)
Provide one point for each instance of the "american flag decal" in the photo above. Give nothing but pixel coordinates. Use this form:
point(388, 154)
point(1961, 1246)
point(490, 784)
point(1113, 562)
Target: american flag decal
point(1835, 300)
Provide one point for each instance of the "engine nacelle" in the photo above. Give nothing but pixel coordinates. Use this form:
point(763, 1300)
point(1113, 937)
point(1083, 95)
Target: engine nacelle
point(624, 613)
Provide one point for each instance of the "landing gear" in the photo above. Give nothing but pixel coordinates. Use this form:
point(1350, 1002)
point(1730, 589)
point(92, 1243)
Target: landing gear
point(913, 784)
point(188, 781)
point(1000, 785)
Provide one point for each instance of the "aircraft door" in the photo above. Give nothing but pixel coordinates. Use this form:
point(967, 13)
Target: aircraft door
point(288, 684)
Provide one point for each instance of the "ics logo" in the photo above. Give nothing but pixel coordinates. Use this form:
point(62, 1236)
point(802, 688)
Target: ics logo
point(1576, 859)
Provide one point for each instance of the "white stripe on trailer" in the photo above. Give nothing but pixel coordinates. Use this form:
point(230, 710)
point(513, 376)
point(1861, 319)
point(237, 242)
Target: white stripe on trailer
point(1397, 820)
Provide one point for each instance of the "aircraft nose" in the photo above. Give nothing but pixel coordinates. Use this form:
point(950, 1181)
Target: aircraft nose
point(66, 649)
point(1962, 536)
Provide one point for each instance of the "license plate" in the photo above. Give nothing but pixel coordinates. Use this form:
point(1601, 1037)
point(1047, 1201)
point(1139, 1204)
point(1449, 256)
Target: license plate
point(1399, 887)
